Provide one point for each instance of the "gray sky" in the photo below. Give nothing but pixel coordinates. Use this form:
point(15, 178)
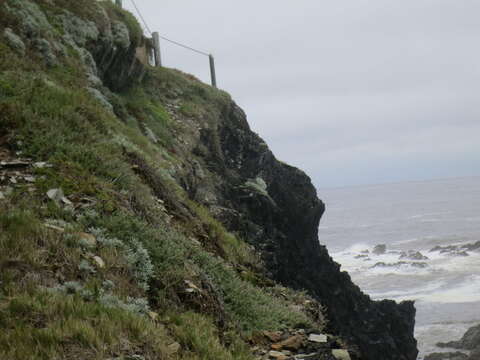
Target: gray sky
point(351, 91)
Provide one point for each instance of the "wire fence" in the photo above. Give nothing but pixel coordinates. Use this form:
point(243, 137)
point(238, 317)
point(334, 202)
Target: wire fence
point(156, 37)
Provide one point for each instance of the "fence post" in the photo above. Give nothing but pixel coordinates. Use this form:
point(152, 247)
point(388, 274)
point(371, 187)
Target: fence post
point(212, 71)
point(118, 3)
point(156, 49)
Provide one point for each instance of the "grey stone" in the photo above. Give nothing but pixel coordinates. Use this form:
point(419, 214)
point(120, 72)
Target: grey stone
point(341, 354)
point(312, 356)
point(121, 35)
point(56, 195)
point(2, 196)
point(99, 262)
point(14, 41)
point(318, 338)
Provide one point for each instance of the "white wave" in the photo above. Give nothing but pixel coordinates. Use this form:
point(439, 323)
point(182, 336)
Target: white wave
point(466, 292)
point(412, 293)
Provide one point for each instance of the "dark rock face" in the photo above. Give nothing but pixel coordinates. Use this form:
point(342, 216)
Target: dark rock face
point(275, 207)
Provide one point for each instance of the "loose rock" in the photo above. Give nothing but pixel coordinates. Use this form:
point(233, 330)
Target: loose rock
point(55, 195)
point(341, 354)
point(99, 262)
point(292, 343)
point(318, 338)
point(277, 355)
point(274, 336)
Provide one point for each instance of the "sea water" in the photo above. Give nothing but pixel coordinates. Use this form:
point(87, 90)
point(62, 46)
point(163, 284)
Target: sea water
point(411, 217)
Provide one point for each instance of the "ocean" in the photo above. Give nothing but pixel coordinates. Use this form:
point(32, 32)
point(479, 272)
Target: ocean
point(431, 233)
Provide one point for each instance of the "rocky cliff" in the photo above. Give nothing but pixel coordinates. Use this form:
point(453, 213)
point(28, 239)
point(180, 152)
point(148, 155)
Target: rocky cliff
point(169, 198)
point(275, 207)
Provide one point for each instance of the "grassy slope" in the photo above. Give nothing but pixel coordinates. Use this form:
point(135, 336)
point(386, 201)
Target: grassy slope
point(55, 301)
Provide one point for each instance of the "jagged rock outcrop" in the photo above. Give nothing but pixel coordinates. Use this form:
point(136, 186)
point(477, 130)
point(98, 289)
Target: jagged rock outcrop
point(275, 207)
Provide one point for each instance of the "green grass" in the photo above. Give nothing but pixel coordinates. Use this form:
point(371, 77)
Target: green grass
point(49, 116)
point(201, 338)
point(44, 326)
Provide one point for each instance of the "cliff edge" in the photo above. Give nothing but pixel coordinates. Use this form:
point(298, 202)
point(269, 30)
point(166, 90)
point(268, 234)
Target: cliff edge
point(141, 218)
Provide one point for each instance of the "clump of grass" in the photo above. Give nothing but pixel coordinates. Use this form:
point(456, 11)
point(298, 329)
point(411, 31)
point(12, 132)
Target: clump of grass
point(200, 337)
point(43, 326)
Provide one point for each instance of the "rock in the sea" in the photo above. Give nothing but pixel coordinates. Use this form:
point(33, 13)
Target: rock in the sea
point(447, 356)
point(379, 249)
point(413, 255)
point(382, 264)
point(469, 341)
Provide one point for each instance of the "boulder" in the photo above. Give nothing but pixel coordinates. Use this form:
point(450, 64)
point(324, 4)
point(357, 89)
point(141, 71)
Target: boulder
point(292, 343)
point(379, 249)
point(413, 255)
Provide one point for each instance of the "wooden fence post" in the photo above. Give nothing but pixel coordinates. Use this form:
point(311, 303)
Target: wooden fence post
point(212, 71)
point(156, 49)
point(119, 3)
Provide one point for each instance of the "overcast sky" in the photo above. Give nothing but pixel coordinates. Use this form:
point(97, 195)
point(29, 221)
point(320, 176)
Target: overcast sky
point(351, 91)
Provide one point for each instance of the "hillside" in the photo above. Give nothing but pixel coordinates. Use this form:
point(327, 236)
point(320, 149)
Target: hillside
point(141, 218)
